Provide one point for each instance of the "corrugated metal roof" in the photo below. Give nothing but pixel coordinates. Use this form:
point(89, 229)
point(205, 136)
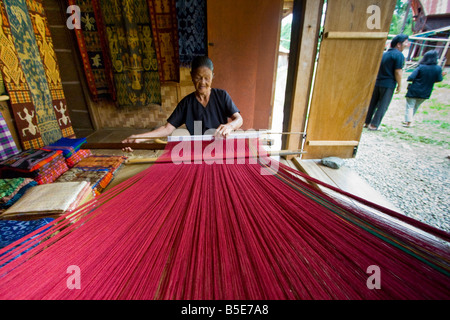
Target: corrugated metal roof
point(436, 7)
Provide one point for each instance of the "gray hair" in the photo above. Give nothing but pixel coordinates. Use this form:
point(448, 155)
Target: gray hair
point(201, 61)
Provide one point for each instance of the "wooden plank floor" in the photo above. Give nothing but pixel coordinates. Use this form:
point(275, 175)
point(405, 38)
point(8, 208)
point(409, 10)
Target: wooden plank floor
point(344, 179)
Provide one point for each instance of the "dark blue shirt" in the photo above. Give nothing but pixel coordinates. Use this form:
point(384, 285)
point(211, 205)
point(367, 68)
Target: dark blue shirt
point(423, 78)
point(219, 108)
point(391, 61)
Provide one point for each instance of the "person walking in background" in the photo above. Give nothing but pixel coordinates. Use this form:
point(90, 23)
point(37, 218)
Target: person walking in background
point(423, 79)
point(389, 76)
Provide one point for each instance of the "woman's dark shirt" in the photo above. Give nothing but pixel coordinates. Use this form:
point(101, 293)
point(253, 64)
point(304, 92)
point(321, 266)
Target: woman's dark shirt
point(423, 78)
point(219, 108)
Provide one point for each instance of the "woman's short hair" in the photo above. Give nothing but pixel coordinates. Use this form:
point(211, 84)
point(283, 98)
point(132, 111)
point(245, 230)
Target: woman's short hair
point(201, 61)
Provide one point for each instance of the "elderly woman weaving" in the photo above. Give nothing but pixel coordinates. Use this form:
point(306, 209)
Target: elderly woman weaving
point(209, 106)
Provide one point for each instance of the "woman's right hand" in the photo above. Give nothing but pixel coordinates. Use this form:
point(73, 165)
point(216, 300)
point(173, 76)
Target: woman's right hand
point(130, 139)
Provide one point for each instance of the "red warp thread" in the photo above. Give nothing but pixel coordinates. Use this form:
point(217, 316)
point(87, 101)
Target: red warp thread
point(212, 230)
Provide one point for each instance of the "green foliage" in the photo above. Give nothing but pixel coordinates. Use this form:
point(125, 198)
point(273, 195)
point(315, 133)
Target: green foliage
point(436, 106)
point(390, 131)
point(440, 123)
point(398, 19)
point(285, 37)
point(443, 85)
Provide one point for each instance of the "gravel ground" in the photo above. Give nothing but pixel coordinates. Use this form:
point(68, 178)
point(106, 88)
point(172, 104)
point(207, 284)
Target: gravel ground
point(413, 175)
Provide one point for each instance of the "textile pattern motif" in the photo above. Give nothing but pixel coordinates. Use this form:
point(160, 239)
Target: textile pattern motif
point(11, 231)
point(165, 32)
point(191, 16)
point(7, 145)
point(31, 74)
point(50, 64)
point(94, 50)
point(132, 52)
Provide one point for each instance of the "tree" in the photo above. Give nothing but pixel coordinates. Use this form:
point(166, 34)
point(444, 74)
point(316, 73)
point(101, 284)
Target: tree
point(399, 24)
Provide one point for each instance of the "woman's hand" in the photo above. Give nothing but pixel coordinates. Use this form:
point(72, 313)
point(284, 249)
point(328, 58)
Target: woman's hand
point(223, 131)
point(163, 131)
point(130, 139)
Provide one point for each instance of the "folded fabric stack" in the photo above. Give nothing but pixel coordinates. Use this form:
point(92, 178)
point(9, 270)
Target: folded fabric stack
point(71, 149)
point(52, 171)
point(77, 157)
point(11, 190)
point(48, 200)
point(99, 178)
point(44, 166)
point(13, 230)
point(98, 162)
point(68, 146)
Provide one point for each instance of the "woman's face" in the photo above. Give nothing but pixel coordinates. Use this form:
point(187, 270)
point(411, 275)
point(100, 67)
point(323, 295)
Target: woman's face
point(202, 79)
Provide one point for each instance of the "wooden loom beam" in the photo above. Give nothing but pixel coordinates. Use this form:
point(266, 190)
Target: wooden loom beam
point(119, 145)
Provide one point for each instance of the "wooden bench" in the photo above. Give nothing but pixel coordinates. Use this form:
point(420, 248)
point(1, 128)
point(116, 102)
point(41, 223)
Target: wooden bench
point(344, 179)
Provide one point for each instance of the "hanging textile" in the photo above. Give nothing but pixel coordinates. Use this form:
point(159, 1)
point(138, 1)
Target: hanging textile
point(7, 145)
point(31, 74)
point(213, 227)
point(93, 49)
point(132, 52)
point(192, 34)
point(165, 33)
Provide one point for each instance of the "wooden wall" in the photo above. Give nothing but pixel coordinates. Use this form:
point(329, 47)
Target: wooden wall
point(243, 37)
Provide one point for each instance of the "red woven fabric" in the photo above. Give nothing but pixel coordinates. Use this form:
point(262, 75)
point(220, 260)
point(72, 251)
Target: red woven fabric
point(225, 231)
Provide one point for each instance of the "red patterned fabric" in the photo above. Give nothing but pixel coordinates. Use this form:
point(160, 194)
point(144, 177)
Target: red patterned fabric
point(78, 156)
point(165, 32)
point(93, 49)
point(53, 172)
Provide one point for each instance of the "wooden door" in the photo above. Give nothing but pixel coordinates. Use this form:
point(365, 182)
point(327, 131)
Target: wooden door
point(354, 37)
point(243, 37)
point(70, 68)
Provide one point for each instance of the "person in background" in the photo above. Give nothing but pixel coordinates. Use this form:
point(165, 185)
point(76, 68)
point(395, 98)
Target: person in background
point(422, 81)
point(389, 77)
point(211, 106)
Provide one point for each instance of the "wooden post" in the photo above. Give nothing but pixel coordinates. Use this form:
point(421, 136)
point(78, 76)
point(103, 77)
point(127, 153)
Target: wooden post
point(444, 54)
point(301, 65)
